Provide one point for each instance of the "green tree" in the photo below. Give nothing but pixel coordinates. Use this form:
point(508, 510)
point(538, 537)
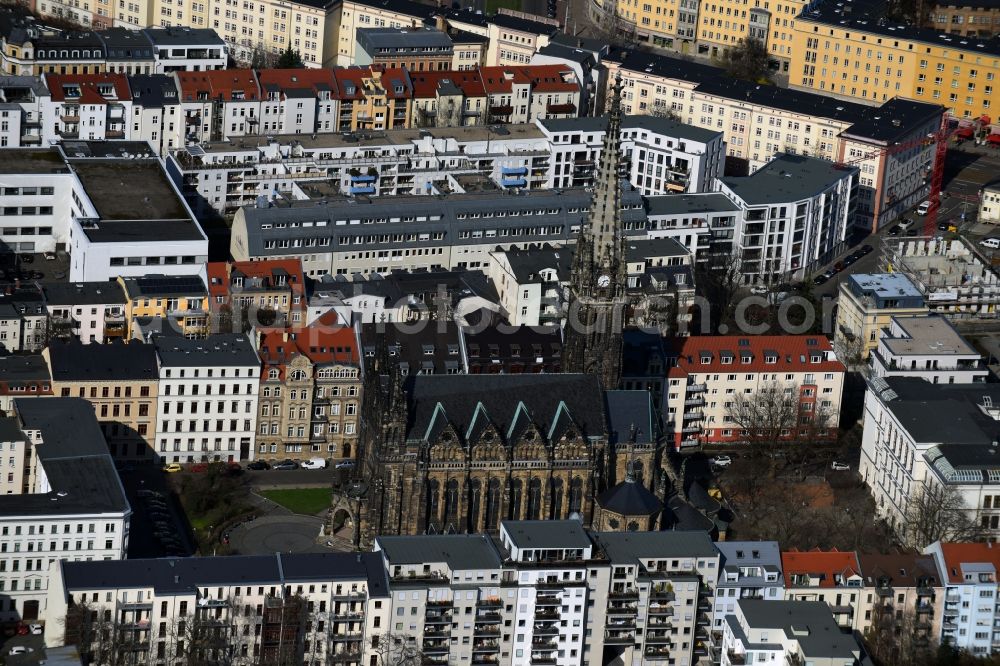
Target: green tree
point(747, 60)
point(290, 59)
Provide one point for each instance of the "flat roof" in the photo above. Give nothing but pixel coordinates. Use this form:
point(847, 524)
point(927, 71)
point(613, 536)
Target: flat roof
point(787, 178)
point(460, 552)
point(83, 293)
point(545, 534)
point(231, 350)
point(402, 39)
point(632, 547)
point(810, 623)
point(32, 161)
point(885, 285)
point(109, 182)
point(689, 204)
point(929, 334)
point(75, 362)
point(20, 368)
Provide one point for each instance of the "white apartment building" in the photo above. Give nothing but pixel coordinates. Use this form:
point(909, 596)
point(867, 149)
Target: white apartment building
point(156, 112)
point(928, 347)
point(787, 632)
point(907, 443)
point(705, 223)
point(185, 49)
point(662, 155)
point(89, 311)
point(22, 99)
point(866, 304)
point(968, 572)
point(706, 372)
point(90, 107)
point(747, 570)
point(207, 407)
point(797, 213)
point(310, 607)
point(833, 577)
point(989, 205)
point(61, 499)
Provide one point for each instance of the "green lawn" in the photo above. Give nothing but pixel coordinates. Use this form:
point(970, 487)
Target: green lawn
point(493, 5)
point(309, 501)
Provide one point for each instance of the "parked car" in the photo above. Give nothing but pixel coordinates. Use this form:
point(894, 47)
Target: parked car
point(820, 279)
point(905, 223)
point(721, 461)
point(198, 467)
point(286, 464)
point(865, 249)
point(314, 463)
point(50, 256)
point(839, 466)
point(758, 290)
point(345, 464)
point(894, 231)
point(839, 266)
point(924, 207)
point(258, 465)
point(35, 629)
point(27, 259)
point(991, 243)
point(20, 649)
point(172, 467)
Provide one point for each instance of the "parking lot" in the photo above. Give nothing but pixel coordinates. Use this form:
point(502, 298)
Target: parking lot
point(158, 527)
point(34, 267)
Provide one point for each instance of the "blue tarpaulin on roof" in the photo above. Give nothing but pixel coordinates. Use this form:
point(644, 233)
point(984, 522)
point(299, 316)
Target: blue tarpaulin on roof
point(363, 179)
point(516, 182)
point(362, 190)
point(514, 171)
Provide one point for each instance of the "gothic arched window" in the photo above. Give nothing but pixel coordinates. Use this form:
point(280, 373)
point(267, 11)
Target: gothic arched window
point(433, 519)
point(493, 504)
point(451, 504)
point(576, 495)
point(516, 490)
point(475, 496)
point(534, 499)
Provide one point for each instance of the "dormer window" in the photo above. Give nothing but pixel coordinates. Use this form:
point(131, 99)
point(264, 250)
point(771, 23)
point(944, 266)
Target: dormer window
point(770, 359)
point(706, 359)
point(726, 358)
point(746, 358)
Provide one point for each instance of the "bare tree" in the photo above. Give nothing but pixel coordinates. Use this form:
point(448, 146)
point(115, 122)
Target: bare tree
point(718, 282)
point(747, 60)
point(766, 416)
point(396, 650)
point(898, 636)
point(938, 513)
point(661, 109)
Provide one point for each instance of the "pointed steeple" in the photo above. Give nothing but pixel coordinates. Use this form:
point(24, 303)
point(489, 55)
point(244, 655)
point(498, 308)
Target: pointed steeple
point(604, 222)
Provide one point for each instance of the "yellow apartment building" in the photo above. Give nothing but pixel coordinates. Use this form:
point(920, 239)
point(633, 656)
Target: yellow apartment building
point(156, 302)
point(872, 63)
point(344, 18)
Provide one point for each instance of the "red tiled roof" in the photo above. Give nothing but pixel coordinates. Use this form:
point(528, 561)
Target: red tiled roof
point(87, 84)
point(324, 341)
point(792, 352)
point(425, 84)
point(298, 79)
point(550, 78)
point(825, 564)
point(498, 79)
point(220, 273)
point(955, 554)
point(218, 279)
point(218, 83)
point(354, 76)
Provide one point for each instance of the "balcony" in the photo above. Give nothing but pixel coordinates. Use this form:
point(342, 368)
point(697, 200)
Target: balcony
point(657, 653)
point(546, 629)
point(658, 637)
point(488, 631)
point(697, 388)
point(491, 602)
point(629, 593)
point(619, 637)
point(134, 605)
point(348, 656)
point(346, 638)
point(545, 600)
point(544, 645)
point(488, 618)
point(736, 658)
point(485, 646)
point(542, 659)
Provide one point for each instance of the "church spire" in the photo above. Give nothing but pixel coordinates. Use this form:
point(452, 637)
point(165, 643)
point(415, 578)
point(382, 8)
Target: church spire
point(593, 334)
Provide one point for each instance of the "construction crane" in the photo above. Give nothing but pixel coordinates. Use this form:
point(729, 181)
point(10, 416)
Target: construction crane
point(939, 139)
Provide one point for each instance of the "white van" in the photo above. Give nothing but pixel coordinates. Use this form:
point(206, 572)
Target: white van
point(923, 207)
point(314, 463)
point(991, 243)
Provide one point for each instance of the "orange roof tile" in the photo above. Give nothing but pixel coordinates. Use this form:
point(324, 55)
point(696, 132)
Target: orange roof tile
point(324, 341)
point(790, 352)
point(218, 84)
point(956, 554)
point(298, 79)
point(828, 565)
point(87, 84)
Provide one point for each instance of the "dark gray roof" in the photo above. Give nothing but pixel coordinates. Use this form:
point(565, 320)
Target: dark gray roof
point(546, 534)
point(432, 348)
point(630, 498)
point(523, 24)
point(161, 286)
point(638, 249)
point(23, 368)
point(74, 455)
point(401, 40)
point(10, 83)
point(74, 361)
point(787, 178)
point(681, 204)
point(895, 120)
point(184, 575)
point(459, 551)
point(466, 37)
point(527, 263)
point(735, 554)
point(628, 410)
point(229, 350)
point(582, 124)
point(508, 346)
point(121, 44)
point(919, 404)
point(824, 638)
point(569, 53)
point(552, 404)
point(83, 293)
point(153, 90)
point(631, 547)
point(670, 127)
point(576, 41)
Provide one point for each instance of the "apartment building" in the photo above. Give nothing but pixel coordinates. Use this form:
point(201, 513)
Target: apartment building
point(92, 107)
point(968, 573)
point(903, 592)
point(207, 398)
point(120, 382)
point(989, 206)
point(790, 632)
point(156, 113)
point(928, 347)
point(864, 57)
point(833, 577)
point(418, 50)
point(62, 500)
point(514, 37)
point(663, 156)
point(797, 214)
point(866, 304)
point(663, 581)
point(22, 99)
point(298, 101)
point(219, 104)
point(705, 373)
point(162, 303)
point(747, 570)
point(259, 289)
point(345, 19)
point(906, 445)
point(23, 319)
point(187, 49)
point(23, 375)
point(304, 606)
point(759, 122)
point(85, 311)
point(310, 392)
point(971, 18)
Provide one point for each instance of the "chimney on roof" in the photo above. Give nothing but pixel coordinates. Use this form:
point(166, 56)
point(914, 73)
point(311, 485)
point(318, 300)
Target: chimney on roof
point(439, 23)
